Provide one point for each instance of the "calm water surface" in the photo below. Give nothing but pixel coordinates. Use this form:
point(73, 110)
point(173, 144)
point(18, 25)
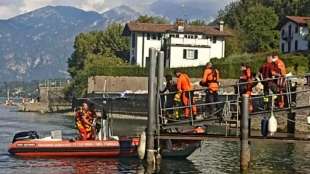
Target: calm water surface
point(213, 157)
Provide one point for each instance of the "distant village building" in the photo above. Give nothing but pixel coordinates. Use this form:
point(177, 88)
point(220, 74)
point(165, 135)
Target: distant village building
point(294, 33)
point(184, 45)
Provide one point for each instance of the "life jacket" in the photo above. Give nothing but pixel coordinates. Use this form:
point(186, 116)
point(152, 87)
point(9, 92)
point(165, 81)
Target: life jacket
point(211, 77)
point(184, 83)
point(266, 70)
point(281, 66)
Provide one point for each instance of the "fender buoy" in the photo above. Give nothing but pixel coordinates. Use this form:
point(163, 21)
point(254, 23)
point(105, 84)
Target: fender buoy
point(142, 146)
point(272, 124)
point(264, 127)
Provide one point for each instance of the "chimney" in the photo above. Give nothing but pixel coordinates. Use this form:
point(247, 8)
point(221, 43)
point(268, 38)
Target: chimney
point(221, 26)
point(180, 24)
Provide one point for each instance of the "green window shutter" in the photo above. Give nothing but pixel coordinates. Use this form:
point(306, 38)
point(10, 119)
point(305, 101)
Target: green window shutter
point(184, 54)
point(196, 54)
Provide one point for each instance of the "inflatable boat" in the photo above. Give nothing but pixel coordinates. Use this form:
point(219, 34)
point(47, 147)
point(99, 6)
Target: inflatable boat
point(28, 144)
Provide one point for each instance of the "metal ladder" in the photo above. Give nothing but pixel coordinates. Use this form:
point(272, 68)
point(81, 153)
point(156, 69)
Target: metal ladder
point(231, 113)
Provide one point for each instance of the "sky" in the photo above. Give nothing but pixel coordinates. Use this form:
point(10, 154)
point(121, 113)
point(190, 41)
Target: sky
point(11, 8)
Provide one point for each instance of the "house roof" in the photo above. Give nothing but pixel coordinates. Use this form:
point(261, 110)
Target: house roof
point(301, 20)
point(164, 28)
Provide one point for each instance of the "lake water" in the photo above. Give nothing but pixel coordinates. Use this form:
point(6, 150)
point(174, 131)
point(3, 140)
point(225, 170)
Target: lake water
point(213, 157)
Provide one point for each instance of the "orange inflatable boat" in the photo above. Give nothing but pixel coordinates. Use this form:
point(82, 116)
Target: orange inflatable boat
point(27, 144)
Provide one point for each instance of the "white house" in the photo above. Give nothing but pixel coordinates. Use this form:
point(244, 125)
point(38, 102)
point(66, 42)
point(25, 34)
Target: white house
point(184, 45)
point(294, 33)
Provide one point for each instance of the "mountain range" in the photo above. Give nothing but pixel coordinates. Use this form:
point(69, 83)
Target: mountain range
point(37, 44)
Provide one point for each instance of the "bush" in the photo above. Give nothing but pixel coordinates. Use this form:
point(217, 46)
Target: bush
point(229, 67)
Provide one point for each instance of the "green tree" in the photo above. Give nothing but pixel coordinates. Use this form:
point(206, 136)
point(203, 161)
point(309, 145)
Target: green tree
point(234, 44)
point(259, 28)
point(113, 40)
point(152, 19)
point(197, 22)
point(85, 43)
point(98, 43)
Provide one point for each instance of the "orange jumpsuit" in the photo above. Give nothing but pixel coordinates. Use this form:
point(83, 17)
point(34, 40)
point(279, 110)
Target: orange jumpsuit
point(86, 129)
point(184, 86)
point(210, 78)
point(247, 76)
point(279, 70)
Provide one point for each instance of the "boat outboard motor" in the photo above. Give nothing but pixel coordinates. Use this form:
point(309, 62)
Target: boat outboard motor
point(28, 135)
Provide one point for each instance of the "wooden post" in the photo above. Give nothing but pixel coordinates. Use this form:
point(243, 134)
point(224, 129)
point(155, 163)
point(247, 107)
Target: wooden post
point(291, 122)
point(244, 149)
point(150, 157)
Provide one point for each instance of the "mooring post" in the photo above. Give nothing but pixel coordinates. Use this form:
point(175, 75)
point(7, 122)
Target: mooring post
point(150, 158)
point(291, 122)
point(160, 81)
point(244, 149)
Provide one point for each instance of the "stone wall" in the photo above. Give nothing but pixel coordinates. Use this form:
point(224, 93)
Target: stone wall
point(99, 84)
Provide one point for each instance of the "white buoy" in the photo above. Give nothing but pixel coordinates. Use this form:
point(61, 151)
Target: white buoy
point(308, 119)
point(272, 122)
point(142, 145)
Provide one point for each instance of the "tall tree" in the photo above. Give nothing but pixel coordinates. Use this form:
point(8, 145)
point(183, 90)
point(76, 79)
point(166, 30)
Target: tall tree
point(197, 22)
point(259, 27)
point(98, 43)
point(152, 19)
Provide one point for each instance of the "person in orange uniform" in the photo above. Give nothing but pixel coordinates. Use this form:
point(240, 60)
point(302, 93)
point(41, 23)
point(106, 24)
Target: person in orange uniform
point(210, 80)
point(279, 71)
point(85, 122)
point(246, 77)
point(184, 87)
point(266, 74)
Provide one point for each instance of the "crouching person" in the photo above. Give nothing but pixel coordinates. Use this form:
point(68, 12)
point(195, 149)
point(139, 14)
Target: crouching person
point(85, 122)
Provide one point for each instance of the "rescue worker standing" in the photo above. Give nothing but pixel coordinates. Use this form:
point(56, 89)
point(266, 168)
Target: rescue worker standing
point(85, 122)
point(171, 87)
point(265, 73)
point(184, 87)
point(279, 71)
point(210, 80)
point(246, 77)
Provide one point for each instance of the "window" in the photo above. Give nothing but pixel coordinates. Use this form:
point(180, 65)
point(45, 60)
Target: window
point(190, 54)
point(154, 37)
point(296, 45)
point(283, 47)
point(205, 37)
point(148, 36)
point(159, 36)
point(296, 29)
point(214, 39)
point(175, 35)
point(283, 33)
point(290, 30)
point(133, 40)
point(190, 36)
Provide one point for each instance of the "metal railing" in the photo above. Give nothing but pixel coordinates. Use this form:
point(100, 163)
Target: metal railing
point(230, 107)
point(54, 83)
